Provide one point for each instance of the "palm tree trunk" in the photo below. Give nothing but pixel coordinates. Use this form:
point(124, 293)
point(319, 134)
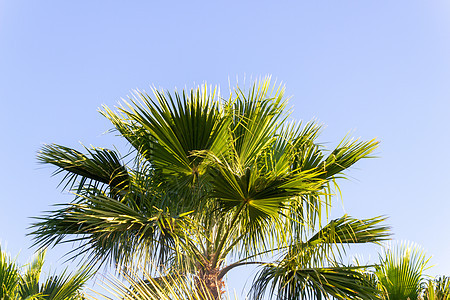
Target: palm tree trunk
point(209, 284)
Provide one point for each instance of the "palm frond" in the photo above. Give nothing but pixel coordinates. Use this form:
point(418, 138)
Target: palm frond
point(167, 128)
point(347, 230)
point(401, 270)
point(347, 153)
point(65, 286)
point(109, 229)
point(256, 117)
point(330, 242)
point(140, 285)
point(437, 289)
point(303, 271)
point(9, 276)
point(99, 167)
point(14, 285)
point(29, 281)
point(291, 281)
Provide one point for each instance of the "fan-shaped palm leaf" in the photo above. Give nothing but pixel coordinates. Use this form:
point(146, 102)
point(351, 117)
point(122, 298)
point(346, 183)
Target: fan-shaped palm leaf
point(401, 271)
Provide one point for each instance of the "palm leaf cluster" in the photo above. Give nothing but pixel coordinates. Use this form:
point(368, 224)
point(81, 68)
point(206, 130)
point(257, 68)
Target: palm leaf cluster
point(437, 289)
point(139, 284)
point(400, 274)
point(211, 184)
point(16, 283)
point(401, 271)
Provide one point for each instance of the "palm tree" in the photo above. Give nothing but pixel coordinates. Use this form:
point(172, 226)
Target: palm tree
point(9, 276)
point(15, 284)
point(212, 184)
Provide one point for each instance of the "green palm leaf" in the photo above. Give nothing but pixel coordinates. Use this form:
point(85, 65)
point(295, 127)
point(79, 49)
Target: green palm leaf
point(15, 285)
point(309, 268)
point(65, 286)
point(111, 229)
point(290, 281)
point(9, 276)
point(29, 282)
point(401, 271)
point(437, 289)
point(100, 166)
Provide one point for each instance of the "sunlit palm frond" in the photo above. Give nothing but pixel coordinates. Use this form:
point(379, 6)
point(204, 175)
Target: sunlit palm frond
point(140, 285)
point(29, 281)
point(65, 286)
point(437, 289)
point(254, 202)
point(29, 284)
point(347, 153)
point(9, 276)
point(308, 268)
point(347, 230)
point(166, 128)
point(401, 270)
point(333, 239)
point(256, 118)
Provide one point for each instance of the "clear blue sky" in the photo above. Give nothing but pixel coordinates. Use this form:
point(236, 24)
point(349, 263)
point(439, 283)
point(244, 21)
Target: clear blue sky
point(377, 68)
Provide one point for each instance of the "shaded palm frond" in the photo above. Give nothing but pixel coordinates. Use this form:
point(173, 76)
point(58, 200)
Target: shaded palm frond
point(110, 229)
point(101, 167)
point(291, 281)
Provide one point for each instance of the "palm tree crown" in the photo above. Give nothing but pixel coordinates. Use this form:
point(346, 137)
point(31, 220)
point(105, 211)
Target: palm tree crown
point(214, 184)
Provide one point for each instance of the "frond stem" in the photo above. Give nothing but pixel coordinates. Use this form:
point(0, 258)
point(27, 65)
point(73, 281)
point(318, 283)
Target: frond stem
point(225, 236)
point(237, 264)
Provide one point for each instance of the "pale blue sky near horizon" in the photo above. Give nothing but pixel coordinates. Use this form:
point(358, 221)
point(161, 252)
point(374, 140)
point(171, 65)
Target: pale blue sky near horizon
point(373, 68)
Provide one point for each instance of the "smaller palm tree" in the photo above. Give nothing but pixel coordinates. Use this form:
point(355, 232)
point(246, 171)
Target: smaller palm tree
point(9, 276)
point(437, 289)
point(28, 284)
point(401, 271)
